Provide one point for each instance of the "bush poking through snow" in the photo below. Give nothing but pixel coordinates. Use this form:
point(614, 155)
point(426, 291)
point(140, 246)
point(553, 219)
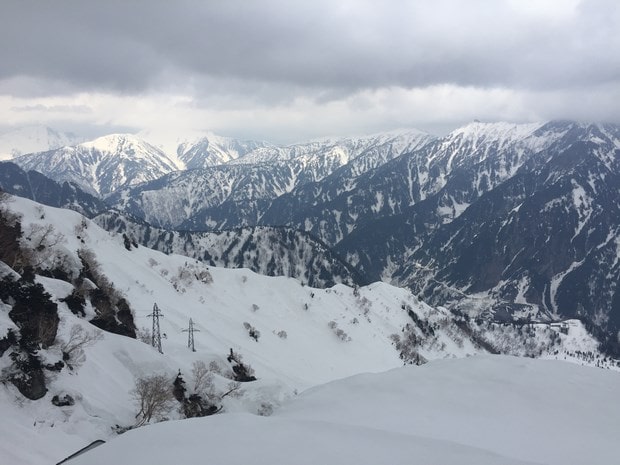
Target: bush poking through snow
point(338, 331)
point(73, 349)
point(204, 397)
point(252, 331)
point(64, 401)
point(407, 346)
point(265, 409)
point(188, 274)
point(154, 397)
point(144, 335)
point(39, 247)
point(242, 372)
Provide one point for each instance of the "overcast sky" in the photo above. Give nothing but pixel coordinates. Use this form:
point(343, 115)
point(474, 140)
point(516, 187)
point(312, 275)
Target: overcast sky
point(292, 70)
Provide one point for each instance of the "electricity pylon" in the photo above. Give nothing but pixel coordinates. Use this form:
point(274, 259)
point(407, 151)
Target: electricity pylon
point(156, 335)
point(190, 336)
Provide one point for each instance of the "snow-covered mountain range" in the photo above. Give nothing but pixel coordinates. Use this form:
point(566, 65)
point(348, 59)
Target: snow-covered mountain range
point(508, 221)
point(62, 275)
point(265, 250)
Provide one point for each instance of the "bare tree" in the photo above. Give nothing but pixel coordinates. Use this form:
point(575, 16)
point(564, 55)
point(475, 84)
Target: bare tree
point(202, 377)
point(40, 242)
point(79, 339)
point(154, 397)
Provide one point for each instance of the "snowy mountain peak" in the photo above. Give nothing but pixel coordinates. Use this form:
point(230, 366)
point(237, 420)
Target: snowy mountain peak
point(103, 165)
point(501, 132)
point(126, 145)
point(211, 150)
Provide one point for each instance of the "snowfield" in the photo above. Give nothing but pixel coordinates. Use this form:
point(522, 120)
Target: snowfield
point(480, 410)
point(310, 349)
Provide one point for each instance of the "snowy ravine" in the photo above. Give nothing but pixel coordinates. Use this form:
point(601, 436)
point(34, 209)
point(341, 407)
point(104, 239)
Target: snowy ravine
point(304, 338)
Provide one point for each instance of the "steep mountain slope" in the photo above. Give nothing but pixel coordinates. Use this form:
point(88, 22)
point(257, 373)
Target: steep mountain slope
point(213, 150)
point(470, 161)
point(33, 139)
point(35, 186)
point(103, 165)
point(182, 200)
point(553, 221)
point(545, 239)
point(264, 250)
point(240, 192)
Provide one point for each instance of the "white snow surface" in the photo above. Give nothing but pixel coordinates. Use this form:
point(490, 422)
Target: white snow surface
point(480, 410)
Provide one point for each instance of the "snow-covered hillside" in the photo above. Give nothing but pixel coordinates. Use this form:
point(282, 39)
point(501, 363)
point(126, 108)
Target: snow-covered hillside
point(264, 250)
point(304, 336)
point(293, 336)
point(481, 410)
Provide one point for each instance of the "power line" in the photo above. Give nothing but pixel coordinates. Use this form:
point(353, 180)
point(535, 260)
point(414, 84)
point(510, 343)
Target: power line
point(156, 335)
point(190, 335)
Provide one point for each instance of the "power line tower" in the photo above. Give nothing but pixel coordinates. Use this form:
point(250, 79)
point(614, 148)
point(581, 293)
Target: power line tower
point(190, 335)
point(156, 335)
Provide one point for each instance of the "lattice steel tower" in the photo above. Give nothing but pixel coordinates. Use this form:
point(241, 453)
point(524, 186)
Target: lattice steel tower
point(156, 335)
point(190, 335)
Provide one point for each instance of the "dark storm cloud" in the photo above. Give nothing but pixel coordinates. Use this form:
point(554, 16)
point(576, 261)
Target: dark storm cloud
point(333, 48)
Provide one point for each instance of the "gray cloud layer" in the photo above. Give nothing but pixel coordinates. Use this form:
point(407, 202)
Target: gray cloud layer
point(269, 52)
point(131, 46)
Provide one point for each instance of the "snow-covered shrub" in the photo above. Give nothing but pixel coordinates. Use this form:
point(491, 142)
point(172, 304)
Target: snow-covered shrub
point(73, 348)
point(338, 331)
point(265, 409)
point(407, 346)
point(282, 334)
point(205, 394)
point(215, 367)
point(255, 307)
point(60, 400)
point(144, 335)
point(188, 274)
point(252, 331)
point(154, 397)
point(40, 246)
point(242, 372)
